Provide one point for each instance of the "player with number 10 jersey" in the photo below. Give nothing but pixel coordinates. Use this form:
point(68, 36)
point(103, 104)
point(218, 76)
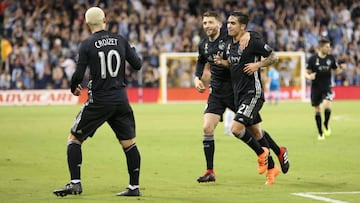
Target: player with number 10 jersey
point(105, 54)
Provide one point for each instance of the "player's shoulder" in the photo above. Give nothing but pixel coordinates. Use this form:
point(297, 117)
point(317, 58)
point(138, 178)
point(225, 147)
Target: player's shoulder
point(228, 40)
point(313, 57)
point(116, 36)
point(330, 56)
point(255, 43)
point(203, 41)
point(255, 35)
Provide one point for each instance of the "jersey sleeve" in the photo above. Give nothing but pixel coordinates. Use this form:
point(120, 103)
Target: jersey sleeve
point(81, 65)
point(132, 57)
point(310, 63)
point(256, 35)
point(261, 48)
point(335, 64)
point(200, 63)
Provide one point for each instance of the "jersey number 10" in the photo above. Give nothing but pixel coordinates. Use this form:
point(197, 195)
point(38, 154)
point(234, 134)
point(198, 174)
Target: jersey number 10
point(106, 61)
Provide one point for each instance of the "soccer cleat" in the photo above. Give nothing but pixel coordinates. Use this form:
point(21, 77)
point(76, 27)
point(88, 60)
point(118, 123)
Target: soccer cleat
point(263, 160)
point(207, 177)
point(69, 189)
point(284, 160)
point(271, 175)
point(321, 137)
point(327, 131)
point(129, 192)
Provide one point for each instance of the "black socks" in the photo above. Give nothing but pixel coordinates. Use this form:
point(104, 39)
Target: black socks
point(327, 114)
point(318, 122)
point(272, 143)
point(209, 149)
point(133, 163)
point(74, 158)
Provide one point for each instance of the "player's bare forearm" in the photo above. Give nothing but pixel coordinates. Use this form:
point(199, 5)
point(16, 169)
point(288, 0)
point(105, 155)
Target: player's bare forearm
point(271, 59)
point(250, 68)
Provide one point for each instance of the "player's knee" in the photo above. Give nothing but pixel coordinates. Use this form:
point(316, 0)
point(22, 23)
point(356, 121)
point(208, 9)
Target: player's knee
point(127, 143)
point(257, 134)
point(208, 129)
point(237, 131)
point(73, 139)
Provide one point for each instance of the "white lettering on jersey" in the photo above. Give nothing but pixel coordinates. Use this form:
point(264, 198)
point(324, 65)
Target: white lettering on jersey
point(106, 42)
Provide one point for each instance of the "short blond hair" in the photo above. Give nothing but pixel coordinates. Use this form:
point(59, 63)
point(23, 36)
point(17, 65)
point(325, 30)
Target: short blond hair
point(94, 16)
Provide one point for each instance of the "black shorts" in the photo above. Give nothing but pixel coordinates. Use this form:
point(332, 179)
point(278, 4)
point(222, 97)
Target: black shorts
point(317, 96)
point(217, 105)
point(120, 117)
point(257, 119)
point(248, 110)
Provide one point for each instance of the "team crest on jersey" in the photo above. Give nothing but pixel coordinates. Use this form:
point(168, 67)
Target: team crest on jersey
point(328, 62)
point(221, 45)
point(206, 48)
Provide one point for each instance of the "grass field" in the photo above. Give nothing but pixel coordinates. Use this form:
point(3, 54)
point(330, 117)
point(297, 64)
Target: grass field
point(33, 156)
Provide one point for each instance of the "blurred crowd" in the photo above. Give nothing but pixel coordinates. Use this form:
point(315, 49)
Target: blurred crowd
point(45, 34)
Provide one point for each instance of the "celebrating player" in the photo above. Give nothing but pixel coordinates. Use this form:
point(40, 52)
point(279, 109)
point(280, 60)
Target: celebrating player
point(105, 54)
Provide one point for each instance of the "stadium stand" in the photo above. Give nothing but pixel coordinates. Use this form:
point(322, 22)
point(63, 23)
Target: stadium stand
point(44, 35)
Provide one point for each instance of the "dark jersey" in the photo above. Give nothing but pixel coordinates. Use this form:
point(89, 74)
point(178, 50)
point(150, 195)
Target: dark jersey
point(244, 84)
point(105, 54)
point(219, 75)
point(322, 67)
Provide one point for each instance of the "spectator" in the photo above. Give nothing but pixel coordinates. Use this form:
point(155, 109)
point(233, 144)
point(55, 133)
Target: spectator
point(5, 80)
point(48, 34)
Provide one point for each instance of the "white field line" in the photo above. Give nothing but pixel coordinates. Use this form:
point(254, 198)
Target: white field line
point(316, 196)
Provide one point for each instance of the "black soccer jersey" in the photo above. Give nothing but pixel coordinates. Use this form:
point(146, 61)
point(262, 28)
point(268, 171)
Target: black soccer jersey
point(207, 52)
point(244, 84)
point(322, 67)
point(105, 54)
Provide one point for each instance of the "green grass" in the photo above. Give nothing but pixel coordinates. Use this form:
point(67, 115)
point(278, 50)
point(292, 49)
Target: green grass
point(33, 156)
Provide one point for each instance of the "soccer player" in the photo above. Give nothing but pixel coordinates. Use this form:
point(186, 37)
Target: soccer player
point(244, 65)
point(221, 93)
point(319, 70)
point(105, 54)
point(274, 85)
